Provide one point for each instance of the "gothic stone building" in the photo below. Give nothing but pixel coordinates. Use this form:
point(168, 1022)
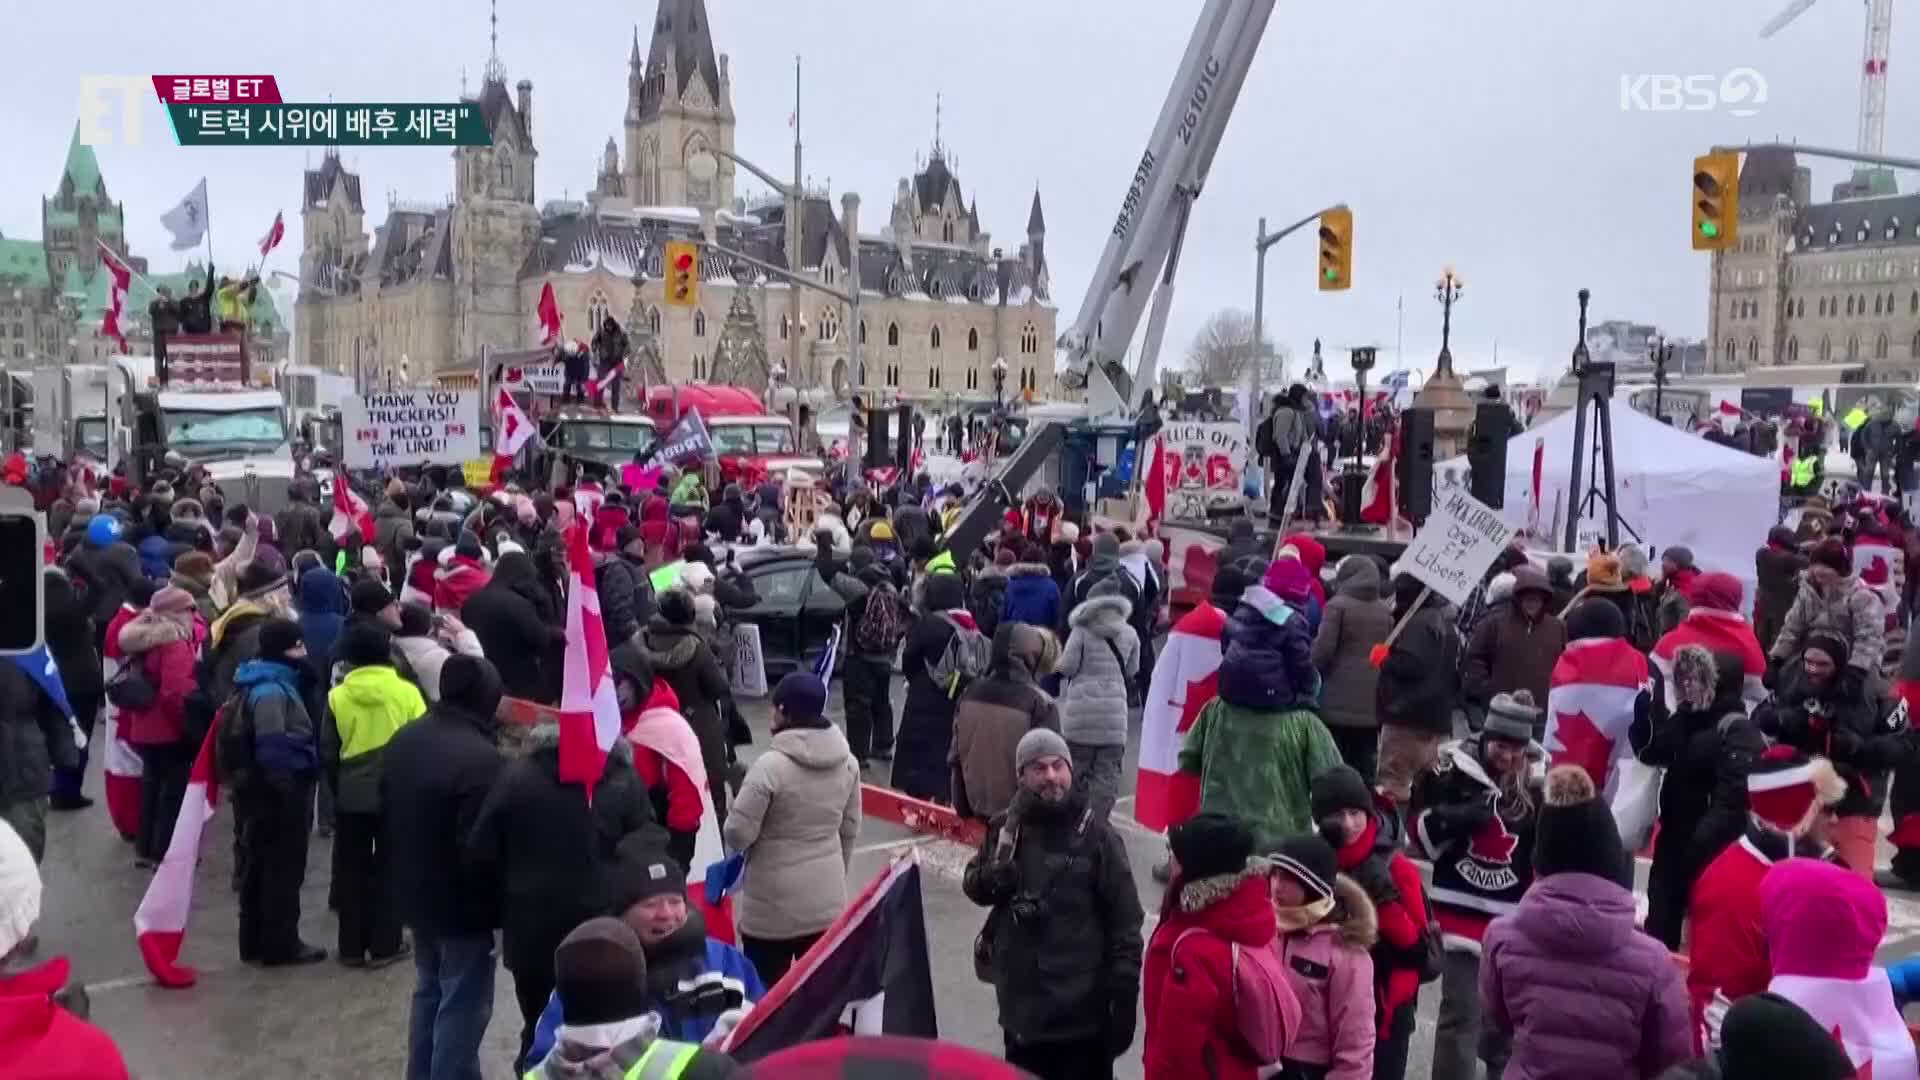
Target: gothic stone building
point(939, 300)
point(1817, 284)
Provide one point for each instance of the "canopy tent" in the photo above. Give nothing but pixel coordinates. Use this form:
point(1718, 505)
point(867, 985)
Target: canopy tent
point(1671, 489)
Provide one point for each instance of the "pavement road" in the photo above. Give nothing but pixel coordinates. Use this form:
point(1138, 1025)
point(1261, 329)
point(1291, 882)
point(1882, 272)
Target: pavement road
point(326, 1021)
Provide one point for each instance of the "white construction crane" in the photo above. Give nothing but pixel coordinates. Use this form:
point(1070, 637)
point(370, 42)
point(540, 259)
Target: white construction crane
point(1143, 249)
point(1873, 68)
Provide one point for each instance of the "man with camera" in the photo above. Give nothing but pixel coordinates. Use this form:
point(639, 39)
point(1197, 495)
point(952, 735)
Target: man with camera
point(1062, 943)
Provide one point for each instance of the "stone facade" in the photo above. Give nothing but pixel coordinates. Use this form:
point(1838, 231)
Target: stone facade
point(435, 284)
point(1812, 284)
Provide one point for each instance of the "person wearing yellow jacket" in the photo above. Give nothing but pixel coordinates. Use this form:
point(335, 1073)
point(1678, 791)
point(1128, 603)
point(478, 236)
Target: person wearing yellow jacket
point(362, 714)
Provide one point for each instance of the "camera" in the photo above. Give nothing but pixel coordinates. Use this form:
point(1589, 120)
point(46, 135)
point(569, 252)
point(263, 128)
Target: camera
point(1027, 909)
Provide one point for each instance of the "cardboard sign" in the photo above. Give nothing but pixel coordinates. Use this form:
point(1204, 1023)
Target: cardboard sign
point(1203, 464)
point(205, 360)
point(477, 473)
point(546, 377)
point(1459, 541)
point(749, 664)
point(417, 426)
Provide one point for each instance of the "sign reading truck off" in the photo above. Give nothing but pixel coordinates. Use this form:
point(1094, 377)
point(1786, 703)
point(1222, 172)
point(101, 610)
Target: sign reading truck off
point(411, 427)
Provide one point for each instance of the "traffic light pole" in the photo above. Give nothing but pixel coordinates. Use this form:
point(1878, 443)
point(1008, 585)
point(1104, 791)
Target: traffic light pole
point(1262, 240)
point(1819, 151)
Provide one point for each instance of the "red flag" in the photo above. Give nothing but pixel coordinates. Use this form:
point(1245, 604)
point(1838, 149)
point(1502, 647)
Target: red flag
point(549, 312)
point(1154, 483)
point(349, 512)
point(160, 924)
point(1376, 497)
point(274, 235)
point(589, 709)
point(117, 295)
point(511, 430)
point(1185, 677)
point(1594, 694)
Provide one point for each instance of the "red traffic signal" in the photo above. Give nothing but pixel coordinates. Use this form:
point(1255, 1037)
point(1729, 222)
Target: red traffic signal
point(683, 265)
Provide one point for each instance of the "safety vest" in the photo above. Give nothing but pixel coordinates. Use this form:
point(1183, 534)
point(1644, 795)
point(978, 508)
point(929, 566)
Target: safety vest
point(1802, 471)
point(664, 1060)
point(666, 577)
point(942, 564)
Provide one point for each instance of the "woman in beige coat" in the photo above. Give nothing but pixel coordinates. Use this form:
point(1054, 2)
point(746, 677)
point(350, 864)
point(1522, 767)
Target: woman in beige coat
point(794, 818)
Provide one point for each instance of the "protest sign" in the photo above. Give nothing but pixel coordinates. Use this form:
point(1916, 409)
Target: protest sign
point(1459, 541)
point(749, 664)
point(1202, 465)
point(687, 441)
point(417, 426)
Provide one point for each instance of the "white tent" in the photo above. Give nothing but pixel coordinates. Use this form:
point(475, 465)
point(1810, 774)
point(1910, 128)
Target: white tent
point(1671, 489)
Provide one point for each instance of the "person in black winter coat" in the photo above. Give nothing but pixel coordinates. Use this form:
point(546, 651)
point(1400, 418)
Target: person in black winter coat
point(299, 527)
point(1708, 746)
point(1824, 707)
point(102, 574)
point(34, 738)
point(552, 855)
point(71, 634)
point(1419, 683)
point(867, 674)
point(437, 775)
point(516, 631)
point(619, 589)
point(920, 766)
point(680, 657)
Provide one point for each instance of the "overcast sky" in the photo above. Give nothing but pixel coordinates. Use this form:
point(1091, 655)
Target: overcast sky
point(1488, 134)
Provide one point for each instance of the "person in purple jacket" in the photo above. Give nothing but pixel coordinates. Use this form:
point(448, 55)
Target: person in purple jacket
point(1583, 993)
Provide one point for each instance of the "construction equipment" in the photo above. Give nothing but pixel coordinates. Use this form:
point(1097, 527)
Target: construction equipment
point(1873, 67)
point(1143, 246)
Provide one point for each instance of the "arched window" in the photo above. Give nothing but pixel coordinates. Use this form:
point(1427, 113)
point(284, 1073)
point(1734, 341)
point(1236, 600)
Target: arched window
point(1800, 307)
point(596, 310)
point(1732, 355)
point(506, 169)
point(1849, 305)
point(893, 374)
point(1029, 340)
point(653, 319)
point(1753, 352)
point(785, 328)
point(933, 378)
point(973, 341)
point(1916, 345)
point(1793, 350)
point(1853, 348)
point(826, 272)
point(863, 341)
point(893, 335)
point(829, 325)
point(699, 323)
point(1876, 305)
point(933, 338)
point(1826, 350)
point(1880, 347)
point(946, 232)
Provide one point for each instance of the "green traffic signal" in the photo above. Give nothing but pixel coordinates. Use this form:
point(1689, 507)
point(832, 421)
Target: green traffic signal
point(1333, 274)
point(1709, 229)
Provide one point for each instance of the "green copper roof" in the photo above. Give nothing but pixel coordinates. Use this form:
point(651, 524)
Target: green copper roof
point(75, 283)
point(23, 259)
point(82, 167)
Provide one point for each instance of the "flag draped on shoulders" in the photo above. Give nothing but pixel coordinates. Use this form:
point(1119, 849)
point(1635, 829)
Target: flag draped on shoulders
point(160, 924)
point(350, 513)
point(589, 708)
point(1598, 686)
point(1185, 678)
point(1723, 633)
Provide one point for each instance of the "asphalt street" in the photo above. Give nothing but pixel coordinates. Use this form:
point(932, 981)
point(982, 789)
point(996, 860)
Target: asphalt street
point(326, 1021)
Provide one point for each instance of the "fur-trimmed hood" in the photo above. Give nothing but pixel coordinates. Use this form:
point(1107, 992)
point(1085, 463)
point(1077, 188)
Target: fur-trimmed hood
point(1102, 615)
point(1354, 916)
point(1203, 893)
point(1029, 569)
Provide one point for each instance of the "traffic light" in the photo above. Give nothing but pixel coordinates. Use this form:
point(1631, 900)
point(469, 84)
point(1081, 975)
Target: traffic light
point(1336, 249)
point(1716, 200)
point(683, 273)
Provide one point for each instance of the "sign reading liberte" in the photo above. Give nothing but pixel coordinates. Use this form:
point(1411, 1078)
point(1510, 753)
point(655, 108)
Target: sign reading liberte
point(417, 426)
point(1457, 543)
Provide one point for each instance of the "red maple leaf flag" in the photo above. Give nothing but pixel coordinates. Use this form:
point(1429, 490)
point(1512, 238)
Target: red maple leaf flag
point(275, 233)
point(122, 280)
point(1596, 687)
point(511, 429)
point(589, 710)
point(549, 312)
point(1493, 843)
point(1185, 677)
point(350, 513)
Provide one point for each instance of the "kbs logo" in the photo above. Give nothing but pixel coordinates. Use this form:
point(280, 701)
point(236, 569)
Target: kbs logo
point(1739, 92)
point(110, 109)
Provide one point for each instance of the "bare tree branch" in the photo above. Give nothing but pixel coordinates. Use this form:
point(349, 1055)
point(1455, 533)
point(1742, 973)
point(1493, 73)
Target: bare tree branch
point(1223, 349)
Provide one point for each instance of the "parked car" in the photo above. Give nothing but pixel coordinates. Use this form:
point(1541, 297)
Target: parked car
point(797, 610)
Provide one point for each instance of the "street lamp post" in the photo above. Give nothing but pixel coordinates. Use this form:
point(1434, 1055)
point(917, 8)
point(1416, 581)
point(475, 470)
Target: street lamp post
point(1447, 290)
point(999, 383)
point(1662, 354)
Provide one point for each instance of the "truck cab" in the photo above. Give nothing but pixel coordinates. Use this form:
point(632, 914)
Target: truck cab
point(239, 434)
point(597, 438)
point(749, 442)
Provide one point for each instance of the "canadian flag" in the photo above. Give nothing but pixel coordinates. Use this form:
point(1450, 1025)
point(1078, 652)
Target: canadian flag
point(511, 429)
point(122, 276)
point(122, 769)
point(275, 234)
point(1185, 678)
point(1376, 498)
point(160, 923)
point(350, 512)
point(589, 709)
point(1598, 686)
point(549, 312)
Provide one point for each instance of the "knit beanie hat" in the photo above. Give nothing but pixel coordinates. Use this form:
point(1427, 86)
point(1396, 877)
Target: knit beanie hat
point(369, 597)
point(1679, 556)
point(1288, 579)
point(172, 600)
point(676, 607)
point(1576, 833)
point(1512, 716)
point(1106, 544)
point(1208, 844)
point(600, 974)
point(1039, 743)
point(1309, 860)
point(644, 870)
point(1340, 788)
point(264, 574)
point(468, 546)
point(19, 890)
point(1833, 553)
point(195, 566)
point(1786, 789)
point(1595, 617)
point(278, 637)
point(1717, 591)
point(1765, 1035)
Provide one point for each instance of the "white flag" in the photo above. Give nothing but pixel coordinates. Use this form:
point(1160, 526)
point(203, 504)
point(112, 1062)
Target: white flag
point(188, 221)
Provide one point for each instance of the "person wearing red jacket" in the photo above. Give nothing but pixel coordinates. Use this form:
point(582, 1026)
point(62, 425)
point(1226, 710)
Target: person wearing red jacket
point(1726, 943)
point(44, 1034)
point(464, 574)
point(666, 752)
point(161, 640)
point(1217, 900)
point(122, 766)
point(1367, 842)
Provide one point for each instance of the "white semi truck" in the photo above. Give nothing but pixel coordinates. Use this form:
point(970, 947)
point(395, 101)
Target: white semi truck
point(70, 411)
point(238, 432)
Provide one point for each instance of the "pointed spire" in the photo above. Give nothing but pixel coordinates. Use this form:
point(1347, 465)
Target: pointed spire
point(496, 71)
point(938, 150)
point(633, 58)
point(82, 167)
point(1036, 221)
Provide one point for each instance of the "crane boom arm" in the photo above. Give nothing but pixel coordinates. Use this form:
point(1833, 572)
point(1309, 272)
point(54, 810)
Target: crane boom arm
point(1179, 152)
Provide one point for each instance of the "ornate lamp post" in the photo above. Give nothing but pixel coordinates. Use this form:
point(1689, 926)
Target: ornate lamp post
point(999, 383)
point(1443, 393)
